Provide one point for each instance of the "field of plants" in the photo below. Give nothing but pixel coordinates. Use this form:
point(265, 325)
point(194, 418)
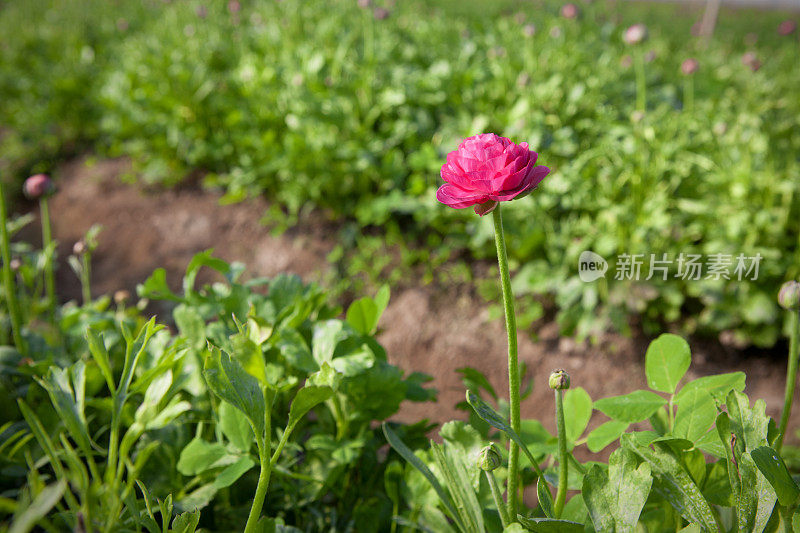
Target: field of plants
point(643, 179)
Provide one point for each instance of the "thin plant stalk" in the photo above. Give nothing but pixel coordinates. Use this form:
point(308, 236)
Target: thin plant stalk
point(641, 81)
point(264, 444)
point(563, 465)
point(688, 94)
point(8, 278)
point(498, 498)
point(513, 364)
point(47, 245)
point(791, 375)
point(86, 277)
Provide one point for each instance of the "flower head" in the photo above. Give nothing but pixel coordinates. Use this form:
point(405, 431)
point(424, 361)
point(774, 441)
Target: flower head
point(689, 66)
point(789, 295)
point(381, 13)
point(489, 458)
point(529, 30)
point(234, 6)
point(569, 11)
point(750, 59)
point(559, 380)
point(635, 34)
point(486, 169)
point(38, 186)
point(787, 27)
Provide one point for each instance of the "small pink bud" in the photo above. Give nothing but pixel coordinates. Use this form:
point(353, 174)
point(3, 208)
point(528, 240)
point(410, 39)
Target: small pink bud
point(121, 296)
point(79, 248)
point(201, 11)
point(749, 59)
point(38, 186)
point(234, 6)
point(635, 34)
point(787, 27)
point(529, 30)
point(569, 11)
point(15, 264)
point(689, 66)
point(381, 13)
point(364, 4)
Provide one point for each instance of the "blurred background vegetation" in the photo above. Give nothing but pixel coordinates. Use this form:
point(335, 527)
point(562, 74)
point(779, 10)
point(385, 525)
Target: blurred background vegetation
point(347, 109)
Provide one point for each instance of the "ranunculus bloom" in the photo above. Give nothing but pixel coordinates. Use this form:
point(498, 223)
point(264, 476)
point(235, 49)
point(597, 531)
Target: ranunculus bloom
point(37, 186)
point(486, 169)
point(635, 34)
point(569, 11)
point(787, 27)
point(689, 66)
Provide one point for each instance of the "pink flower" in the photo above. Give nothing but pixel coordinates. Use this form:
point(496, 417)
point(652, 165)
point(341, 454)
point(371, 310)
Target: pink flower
point(38, 186)
point(749, 59)
point(234, 6)
point(689, 66)
point(569, 11)
point(486, 169)
point(635, 34)
point(787, 27)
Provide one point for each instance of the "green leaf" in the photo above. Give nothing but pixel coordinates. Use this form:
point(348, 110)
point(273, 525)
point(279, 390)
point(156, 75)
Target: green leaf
point(400, 447)
point(774, 469)
point(199, 456)
point(577, 412)
point(605, 434)
point(41, 505)
point(632, 407)
point(666, 361)
point(156, 288)
point(363, 315)
point(327, 335)
point(186, 522)
point(235, 427)
point(717, 386)
point(615, 500)
point(675, 483)
point(749, 425)
point(550, 525)
point(490, 416)
point(228, 380)
point(306, 399)
point(100, 355)
point(200, 260)
point(452, 464)
point(696, 413)
point(233, 471)
point(545, 498)
point(66, 402)
point(191, 325)
point(475, 380)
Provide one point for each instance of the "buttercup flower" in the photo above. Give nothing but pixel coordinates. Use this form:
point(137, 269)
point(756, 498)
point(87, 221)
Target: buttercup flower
point(689, 66)
point(635, 34)
point(37, 186)
point(486, 169)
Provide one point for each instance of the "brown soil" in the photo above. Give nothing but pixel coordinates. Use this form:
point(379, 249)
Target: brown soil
point(431, 329)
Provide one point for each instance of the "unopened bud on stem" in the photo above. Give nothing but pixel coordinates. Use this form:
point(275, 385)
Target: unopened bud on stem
point(789, 295)
point(559, 380)
point(489, 458)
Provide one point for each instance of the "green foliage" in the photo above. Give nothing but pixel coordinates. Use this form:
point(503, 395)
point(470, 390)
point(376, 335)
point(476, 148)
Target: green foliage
point(318, 105)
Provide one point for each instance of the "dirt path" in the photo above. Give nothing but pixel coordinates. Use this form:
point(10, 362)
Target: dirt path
point(430, 329)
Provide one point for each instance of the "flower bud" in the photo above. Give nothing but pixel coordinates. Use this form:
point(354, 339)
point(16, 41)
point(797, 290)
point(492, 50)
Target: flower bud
point(38, 186)
point(380, 13)
point(15, 264)
point(121, 296)
point(559, 380)
point(787, 27)
point(635, 34)
point(489, 458)
point(789, 295)
point(79, 248)
point(749, 59)
point(529, 30)
point(689, 66)
point(569, 11)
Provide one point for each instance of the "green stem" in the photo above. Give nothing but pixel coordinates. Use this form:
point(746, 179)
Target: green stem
point(264, 443)
point(641, 82)
point(86, 276)
point(563, 465)
point(688, 94)
point(498, 498)
point(8, 278)
point(791, 376)
point(513, 364)
point(47, 245)
point(671, 412)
